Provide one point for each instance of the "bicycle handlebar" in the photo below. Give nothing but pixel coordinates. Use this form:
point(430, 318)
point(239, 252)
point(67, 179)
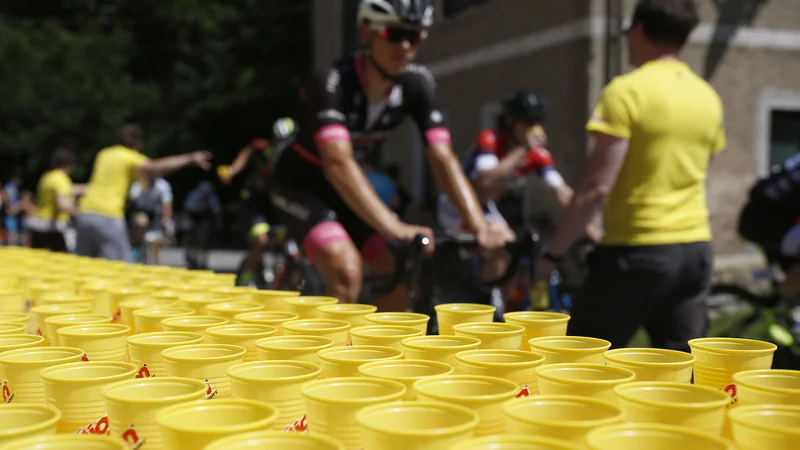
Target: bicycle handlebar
point(404, 253)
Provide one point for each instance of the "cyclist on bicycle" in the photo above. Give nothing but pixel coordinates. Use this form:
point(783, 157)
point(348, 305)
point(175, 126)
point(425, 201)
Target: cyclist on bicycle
point(771, 219)
point(347, 111)
point(150, 200)
point(202, 214)
point(257, 160)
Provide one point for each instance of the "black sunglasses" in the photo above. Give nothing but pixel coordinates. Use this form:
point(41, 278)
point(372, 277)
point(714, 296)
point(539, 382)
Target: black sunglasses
point(398, 35)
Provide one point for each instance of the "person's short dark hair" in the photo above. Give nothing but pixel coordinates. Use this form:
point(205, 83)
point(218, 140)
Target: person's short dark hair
point(131, 135)
point(62, 157)
point(666, 21)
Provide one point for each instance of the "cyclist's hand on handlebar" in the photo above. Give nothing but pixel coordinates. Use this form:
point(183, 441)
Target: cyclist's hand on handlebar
point(494, 236)
point(202, 159)
point(407, 233)
point(594, 233)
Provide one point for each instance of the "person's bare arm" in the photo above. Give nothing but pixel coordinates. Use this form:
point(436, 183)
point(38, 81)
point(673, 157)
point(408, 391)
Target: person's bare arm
point(169, 164)
point(65, 204)
point(241, 161)
point(491, 184)
point(455, 185)
point(79, 189)
point(166, 211)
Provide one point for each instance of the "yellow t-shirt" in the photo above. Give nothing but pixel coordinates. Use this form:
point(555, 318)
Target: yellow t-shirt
point(113, 173)
point(53, 183)
point(673, 121)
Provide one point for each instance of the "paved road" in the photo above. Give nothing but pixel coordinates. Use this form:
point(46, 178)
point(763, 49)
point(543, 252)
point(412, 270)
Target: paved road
point(219, 260)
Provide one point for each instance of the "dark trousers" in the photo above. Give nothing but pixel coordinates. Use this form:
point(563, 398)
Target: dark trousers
point(49, 240)
point(663, 288)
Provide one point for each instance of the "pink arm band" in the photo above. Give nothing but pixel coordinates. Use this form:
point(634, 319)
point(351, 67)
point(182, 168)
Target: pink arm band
point(438, 136)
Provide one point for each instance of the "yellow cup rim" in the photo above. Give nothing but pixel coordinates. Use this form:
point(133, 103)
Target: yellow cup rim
point(64, 360)
point(743, 379)
point(468, 343)
point(41, 426)
point(361, 331)
point(485, 442)
point(264, 423)
point(601, 344)
point(702, 344)
point(611, 355)
point(49, 374)
point(551, 318)
point(510, 409)
point(364, 368)
point(314, 372)
point(61, 319)
point(109, 330)
point(56, 308)
point(513, 388)
point(351, 401)
point(348, 309)
point(415, 318)
point(141, 302)
point(34, 338)
point(310, 300)
point(151, 312)
point(721, 402)
point(464, 308)
point(329, 354)
point(55, 299)
point(325, 342)
point(542, 372)
point(270, 293)
point(12, 291)
point(237, 306)
point(593, 435)
point(743, 416)
point(464, 358)
point(335, 325)
point(108, 392)
point(232, 289)
point(510, 329)
point(289, 316)
point(474, 419)
point(135, 340)
point(194, 320)
point(218, 331)
point(236, 353)
point(224, 443)
point(12, 326)
point(14, 317)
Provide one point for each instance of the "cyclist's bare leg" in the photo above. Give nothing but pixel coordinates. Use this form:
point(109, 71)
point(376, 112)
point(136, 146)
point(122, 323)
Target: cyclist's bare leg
point(340, 265)
point(397, 300)
point(140, 225)
point(790, 287)
point(259, 244)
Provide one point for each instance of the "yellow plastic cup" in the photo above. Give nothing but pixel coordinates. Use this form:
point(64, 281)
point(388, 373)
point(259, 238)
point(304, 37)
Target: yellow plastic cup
point(566, 417)
point(354, 313)
point(512, 365)
point(229, 309)
point(272, 300)
point(730, 355)
point(515, 442)
point(332, 404)
point(70, 298)
point(194, 425)
point(13, 328)
point(145, 350)
point(640, 436)
point(239, 293)
point(117, 295)
point(450, 314)
point(484, 395)
point(169, 296)
point(415, 425)
point(67, 442)
point(345, 361)
point(19, 371)
point(272, 318)
point(277, 383)
point(275, 440)
point(100, 341)
point(292, 348)
point(570, 349)
point(672, 403)
point(148, 320)
point(199, 302)
point(205, 362)
point(764, 387)
point(15, 317)
point(405, 371)
point(504, 336)
point(653, 364)
point(336, 330)
point(99, 289)
point(42, 313)
point(382, 335)
point(75, 389)
point(438, 348)
point(306, 306)
point(188, 289)
point(55, 323)
point(40, 290)
point(133, 404)
point(25, 421)
point(18, 341)
point(416, 320)
point(158, 285)
point(243, 335)
point(766, 427)
point(589, 380)
point(128, 307)
point(193, 324)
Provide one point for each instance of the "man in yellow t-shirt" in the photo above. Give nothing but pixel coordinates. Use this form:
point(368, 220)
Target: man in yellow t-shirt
point(101, 227)
point(655, 131)
point(54, 203)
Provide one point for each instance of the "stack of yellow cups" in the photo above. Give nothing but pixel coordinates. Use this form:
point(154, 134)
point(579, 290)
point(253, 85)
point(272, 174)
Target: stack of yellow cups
point(145, 350)
point(19, 371)
point(450, 314)
point(513, 365)
point(205, 362)
point(292, 348)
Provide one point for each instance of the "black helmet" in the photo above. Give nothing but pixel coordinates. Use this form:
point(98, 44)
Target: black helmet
point(418, 13)
point(526, 106)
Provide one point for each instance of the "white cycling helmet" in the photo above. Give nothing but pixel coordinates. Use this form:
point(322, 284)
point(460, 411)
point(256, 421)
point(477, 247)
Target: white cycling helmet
point(283, 128)
point(415, 13)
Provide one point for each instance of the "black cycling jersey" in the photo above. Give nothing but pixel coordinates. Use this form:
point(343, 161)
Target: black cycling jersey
point(334, 104)
point(780, 190)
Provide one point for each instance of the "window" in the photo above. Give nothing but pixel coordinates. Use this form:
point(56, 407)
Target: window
point(784, 135)
point(454, 7)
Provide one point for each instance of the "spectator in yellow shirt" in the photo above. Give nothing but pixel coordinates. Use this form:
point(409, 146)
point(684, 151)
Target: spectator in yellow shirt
point(655, 132)
point(54, 203)
point(100, 226)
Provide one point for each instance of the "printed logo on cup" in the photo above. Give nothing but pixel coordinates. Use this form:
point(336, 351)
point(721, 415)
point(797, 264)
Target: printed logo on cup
point(132, 438)
point(99, 426)
point(144, 372)
point(7, 395)
point(117, 316)
point(85, 357)
point(525, 392)
point(299, 426)
point(39, 332)
point(731, 390)
point(210, 392)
